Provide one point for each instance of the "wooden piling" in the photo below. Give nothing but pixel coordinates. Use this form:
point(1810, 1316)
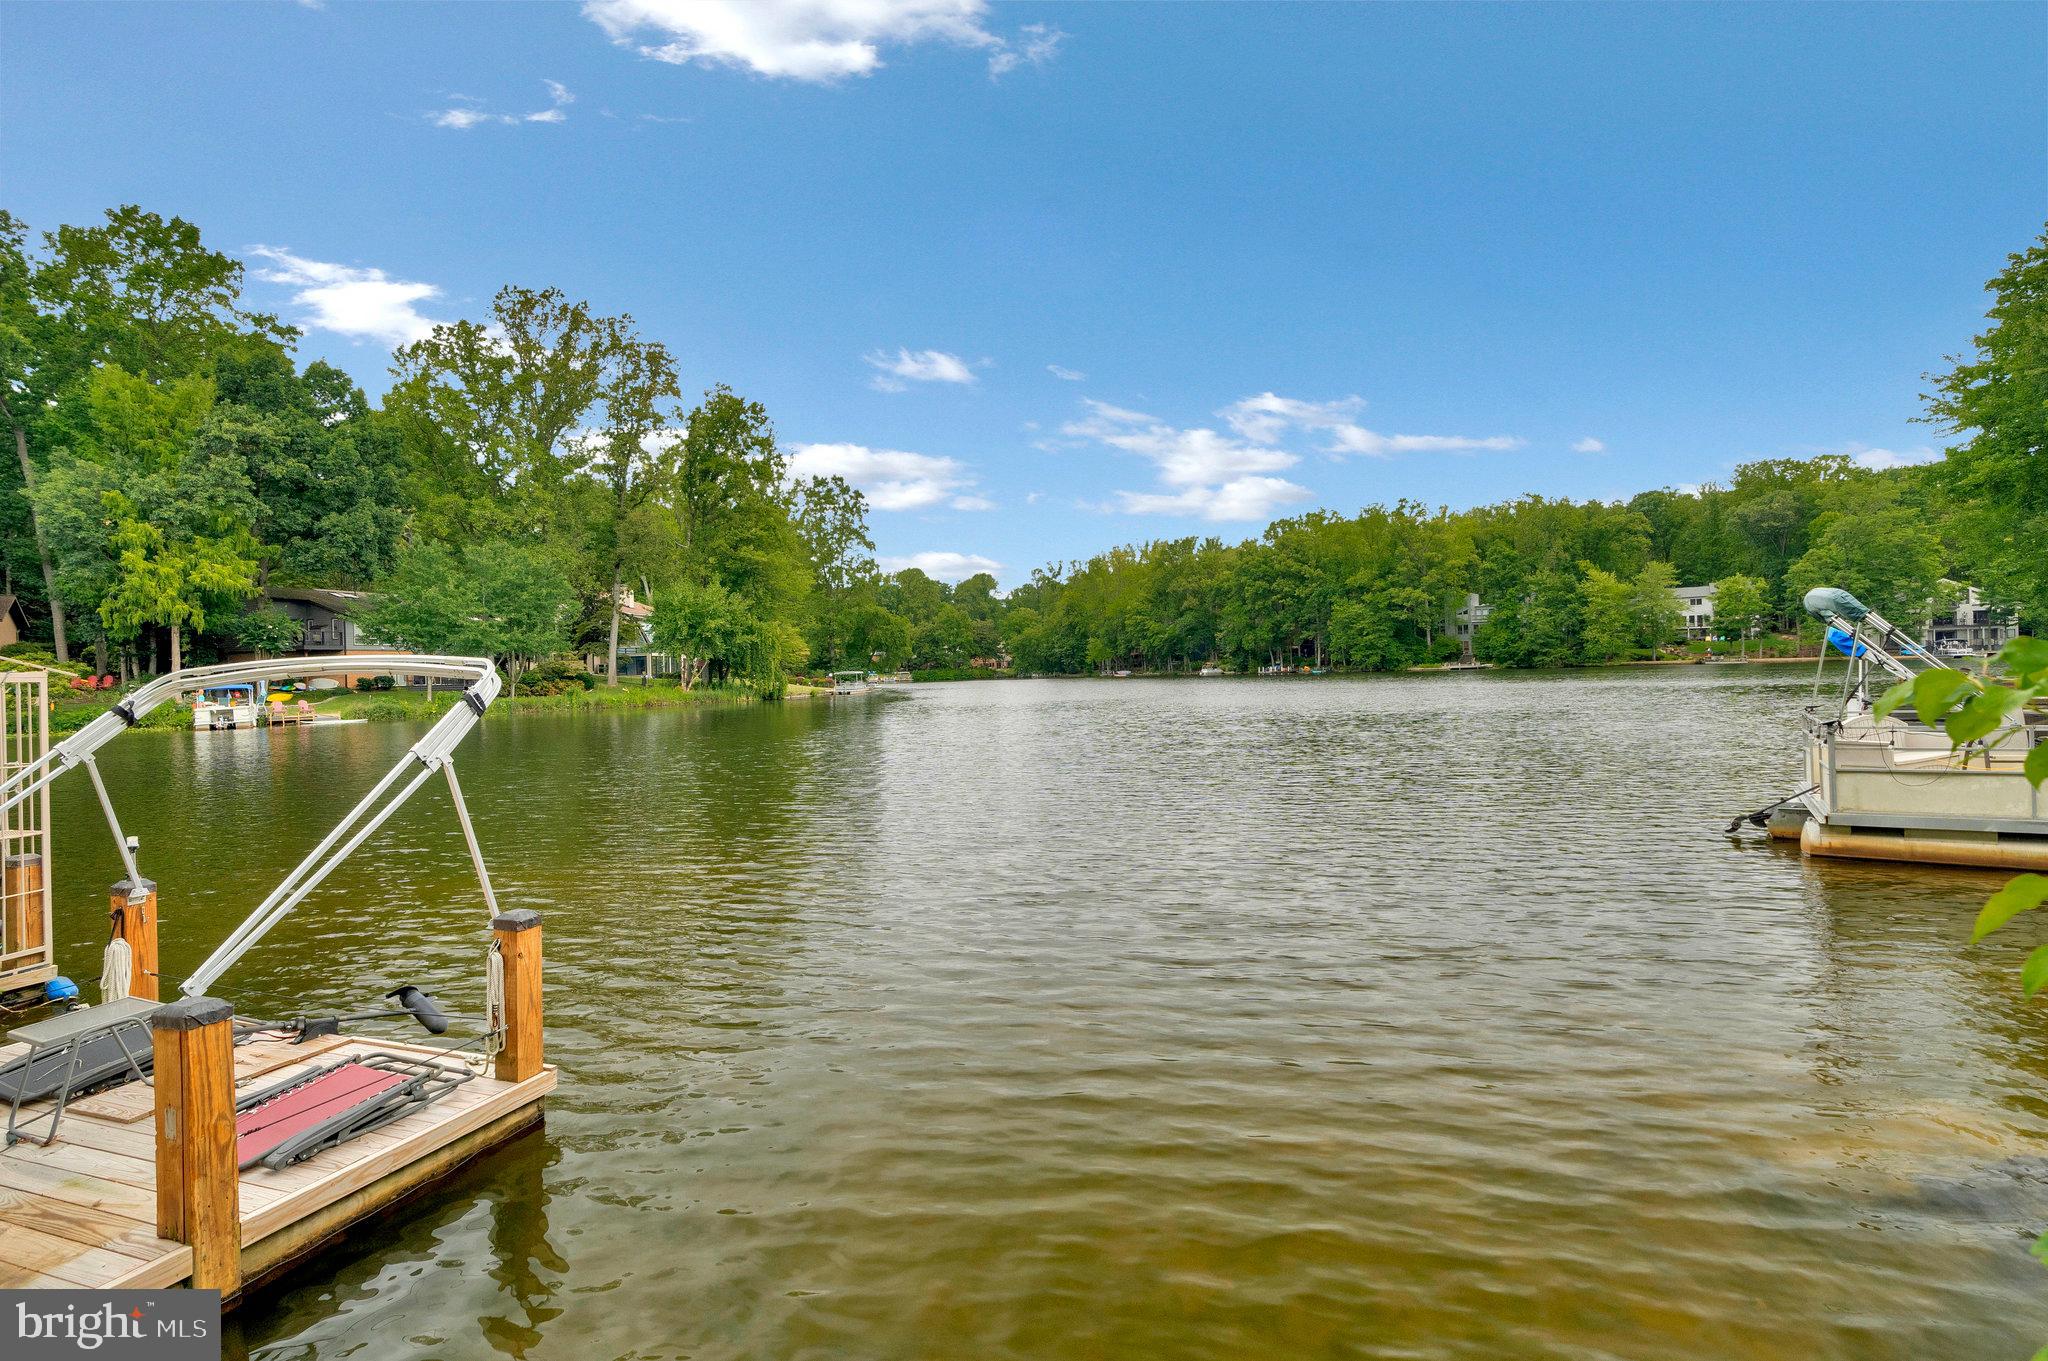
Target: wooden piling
point(21, 890)
point(198, 1198)
point(131, 909)
point(517, 935)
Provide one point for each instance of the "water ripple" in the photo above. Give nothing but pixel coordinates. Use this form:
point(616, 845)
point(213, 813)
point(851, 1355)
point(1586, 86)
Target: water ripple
point(1409, 1017)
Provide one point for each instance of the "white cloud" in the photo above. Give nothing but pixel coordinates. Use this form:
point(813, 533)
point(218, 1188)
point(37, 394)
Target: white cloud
point(1185, 458)
point(1206, 474)
point(813, 40)
point(892, 479)
point(918, 366)
point(1063, 372)
point(1231, 476)
point(1241, 498)
point(1268, 416)
point(366, 304)
point(1588, 445)
point(462, 116)
point(1877, 460)
point(466, 112)
point(1035, 46)
point(943, 566)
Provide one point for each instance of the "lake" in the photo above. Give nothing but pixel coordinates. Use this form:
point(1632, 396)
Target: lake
point(1417, 1016)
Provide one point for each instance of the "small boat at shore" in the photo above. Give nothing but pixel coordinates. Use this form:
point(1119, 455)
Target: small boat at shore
point(1895, 788)
point(226, 706)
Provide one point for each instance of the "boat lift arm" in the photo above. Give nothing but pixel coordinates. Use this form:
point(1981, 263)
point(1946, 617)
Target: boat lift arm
point(433, 752)
point(1837, 609)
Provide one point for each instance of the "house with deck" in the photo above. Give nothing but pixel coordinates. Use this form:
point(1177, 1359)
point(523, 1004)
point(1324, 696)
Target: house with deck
point(329, 625)
point(1970, 626)
point(1696, 603)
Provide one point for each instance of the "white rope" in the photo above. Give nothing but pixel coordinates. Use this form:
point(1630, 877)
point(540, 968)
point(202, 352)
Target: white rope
point(494, 1000)
point(117, 970)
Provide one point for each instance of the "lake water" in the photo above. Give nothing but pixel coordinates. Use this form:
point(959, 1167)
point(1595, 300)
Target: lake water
point(1420, 1016)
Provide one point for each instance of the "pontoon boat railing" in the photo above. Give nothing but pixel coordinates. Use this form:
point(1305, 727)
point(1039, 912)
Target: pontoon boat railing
point(433, 752)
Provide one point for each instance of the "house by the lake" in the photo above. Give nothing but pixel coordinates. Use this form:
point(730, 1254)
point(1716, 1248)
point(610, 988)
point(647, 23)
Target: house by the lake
point(1970, 626)
point(1696, 603)
point(328, 625)
point(1464, 621)
point(637, 653)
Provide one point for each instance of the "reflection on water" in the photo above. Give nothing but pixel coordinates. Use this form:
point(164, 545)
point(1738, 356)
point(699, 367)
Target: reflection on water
point(1402, 1017)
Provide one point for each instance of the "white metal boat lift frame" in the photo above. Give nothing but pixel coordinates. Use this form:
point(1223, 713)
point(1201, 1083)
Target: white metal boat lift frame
point(433, 752)
point(1834, 610)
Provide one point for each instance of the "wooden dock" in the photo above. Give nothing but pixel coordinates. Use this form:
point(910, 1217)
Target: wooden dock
point(82, 1213)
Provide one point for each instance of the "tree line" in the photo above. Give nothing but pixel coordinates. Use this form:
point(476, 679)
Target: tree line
point(530, 467)
point(1573, 582)
point(525, 471)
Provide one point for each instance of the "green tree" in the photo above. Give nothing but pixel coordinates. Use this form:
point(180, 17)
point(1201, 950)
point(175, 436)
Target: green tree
point(718, 635)
point(913, 595)
point(497, 417)
point(174, 583)
point(832, 520)
point(630, 457)
point(1653, 604)
point(427, 604)
point(733, 508)
point(1998, 397)
point(1366, 632)
point(1542, 627)
point(877, 637)
point(523, 605)
point(138, 291)
point(1611, 627)
point(325, 468)
point(1889, 560)
point(1739, 607)
point(267, 632)
point(943, 641)
point(507, 601)
point(976, 596)
point(703, 624)
point(145, 522)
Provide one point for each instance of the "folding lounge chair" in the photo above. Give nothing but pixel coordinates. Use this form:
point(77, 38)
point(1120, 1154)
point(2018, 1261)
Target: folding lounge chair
point(292, 1120)
point(72, 1054)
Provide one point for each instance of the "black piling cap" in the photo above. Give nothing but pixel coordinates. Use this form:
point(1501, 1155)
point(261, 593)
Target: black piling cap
point(191, 1013)
point(423, 1007)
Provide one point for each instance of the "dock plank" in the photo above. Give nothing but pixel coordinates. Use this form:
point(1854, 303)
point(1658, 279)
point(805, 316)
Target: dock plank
point(28, 1255)
point(76, 1188)
point(92, 1228)
point(82, 1212)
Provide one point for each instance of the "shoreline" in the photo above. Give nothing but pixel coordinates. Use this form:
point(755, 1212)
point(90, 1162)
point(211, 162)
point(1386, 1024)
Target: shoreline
point(391, 706)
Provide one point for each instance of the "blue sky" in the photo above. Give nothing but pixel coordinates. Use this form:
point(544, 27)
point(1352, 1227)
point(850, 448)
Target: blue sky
point(1045, 278)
